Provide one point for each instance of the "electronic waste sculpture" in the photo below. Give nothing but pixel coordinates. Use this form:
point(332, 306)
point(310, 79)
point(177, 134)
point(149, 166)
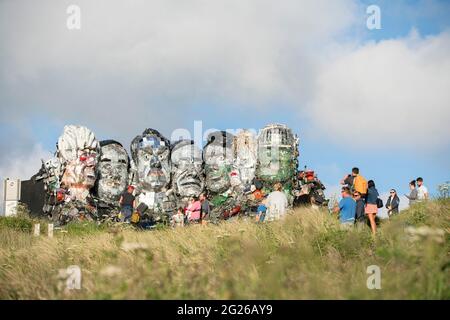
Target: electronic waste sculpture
point(85, 178)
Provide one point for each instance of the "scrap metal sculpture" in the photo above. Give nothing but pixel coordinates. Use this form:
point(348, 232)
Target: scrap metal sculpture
point(277, 158)
point(70, 176)
point(188, 178)
point(151, 169)
point(113, 171)
point(218, 160)
point(229, 169)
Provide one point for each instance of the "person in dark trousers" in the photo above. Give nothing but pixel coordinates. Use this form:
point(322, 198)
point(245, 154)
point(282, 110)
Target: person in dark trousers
point(127, 204)
point(204, 209)
point(413, 193)
point(392, 203)
point(360, 216)
point(371, 209)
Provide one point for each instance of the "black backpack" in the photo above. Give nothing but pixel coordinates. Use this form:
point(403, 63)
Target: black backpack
point(379, 203)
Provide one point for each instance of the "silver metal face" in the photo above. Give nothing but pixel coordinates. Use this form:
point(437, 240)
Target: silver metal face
point(218, 159)
point(244, 157)
point(113, 172)
point(187, 169)
point(151, 156)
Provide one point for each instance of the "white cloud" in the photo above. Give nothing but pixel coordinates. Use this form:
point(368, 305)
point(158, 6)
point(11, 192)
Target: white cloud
point(154, 59)
point(146, 63)
point(391, 93)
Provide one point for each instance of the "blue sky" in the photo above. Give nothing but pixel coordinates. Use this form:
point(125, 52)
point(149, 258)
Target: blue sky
point(274, 65)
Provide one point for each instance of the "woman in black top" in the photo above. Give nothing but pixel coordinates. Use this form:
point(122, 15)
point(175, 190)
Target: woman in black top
point(393, 203)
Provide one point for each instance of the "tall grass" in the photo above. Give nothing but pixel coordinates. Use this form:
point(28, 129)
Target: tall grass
point(305, 256)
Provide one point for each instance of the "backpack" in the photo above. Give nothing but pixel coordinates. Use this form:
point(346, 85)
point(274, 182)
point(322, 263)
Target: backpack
point(360, 184)
point(379, 203)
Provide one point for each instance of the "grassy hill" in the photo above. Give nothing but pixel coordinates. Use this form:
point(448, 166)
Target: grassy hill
point(305, 256)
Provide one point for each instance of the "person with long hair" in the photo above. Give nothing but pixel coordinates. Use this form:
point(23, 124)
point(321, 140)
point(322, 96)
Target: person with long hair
point(413, 193)
point(392, 203)
point(371, 209)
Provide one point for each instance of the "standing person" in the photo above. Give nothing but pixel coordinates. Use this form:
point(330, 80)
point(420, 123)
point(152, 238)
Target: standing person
point(371, 209)
point(204, 208)
point(127, 203)
point(360, 215)
point(422, 191)
point(413, 193)
point(346, 208)
point(393, 202)
point(277, 203)
point(355, 182)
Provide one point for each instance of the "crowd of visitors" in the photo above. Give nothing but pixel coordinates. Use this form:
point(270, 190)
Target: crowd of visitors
point(359, 204)
point(361, 200)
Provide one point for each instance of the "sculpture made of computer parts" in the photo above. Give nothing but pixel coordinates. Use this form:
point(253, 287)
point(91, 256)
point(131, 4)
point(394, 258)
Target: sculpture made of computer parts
point(309, 190)
point(277, 158)
point(188, 178)
point(242, 175)
point(72, 174)
point(218, 161)
point(244, 149)
point(150, 153)
point(113, 170)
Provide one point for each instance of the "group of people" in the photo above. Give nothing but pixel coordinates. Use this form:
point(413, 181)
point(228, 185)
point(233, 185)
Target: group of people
point(359, 204)
point(360, 200)
point(196, 212)
point(270, 207)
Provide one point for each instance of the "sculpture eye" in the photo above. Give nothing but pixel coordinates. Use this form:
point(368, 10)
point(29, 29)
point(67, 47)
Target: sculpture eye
point(105, 160)
point(122, 161)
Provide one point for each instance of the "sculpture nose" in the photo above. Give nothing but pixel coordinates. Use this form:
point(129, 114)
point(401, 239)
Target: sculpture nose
point(155, 162)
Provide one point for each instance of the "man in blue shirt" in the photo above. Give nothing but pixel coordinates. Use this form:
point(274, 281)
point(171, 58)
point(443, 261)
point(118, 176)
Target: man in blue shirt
point(347, 207)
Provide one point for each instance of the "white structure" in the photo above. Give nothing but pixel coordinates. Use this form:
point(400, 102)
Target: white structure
point(11, 196)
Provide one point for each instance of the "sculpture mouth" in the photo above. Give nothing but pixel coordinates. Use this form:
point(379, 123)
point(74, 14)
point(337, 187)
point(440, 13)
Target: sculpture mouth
point(90, 178)
point(190, 183)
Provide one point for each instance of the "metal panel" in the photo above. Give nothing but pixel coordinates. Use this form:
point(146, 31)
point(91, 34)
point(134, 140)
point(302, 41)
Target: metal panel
point(11, 189)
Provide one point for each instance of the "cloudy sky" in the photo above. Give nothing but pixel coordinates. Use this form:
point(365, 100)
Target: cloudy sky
point(378, 99)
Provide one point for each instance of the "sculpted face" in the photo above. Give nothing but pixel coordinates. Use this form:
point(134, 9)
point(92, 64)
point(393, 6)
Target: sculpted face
point(187, 169)
point(78, 150)
point(150, 153)
point(113, 171)
point(81, 171)
point(218, 159)
point(277, 154)
point(244, 156)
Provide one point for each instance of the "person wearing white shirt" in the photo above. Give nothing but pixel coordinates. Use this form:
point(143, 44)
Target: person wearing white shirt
point(277, 204)
point(422, 191)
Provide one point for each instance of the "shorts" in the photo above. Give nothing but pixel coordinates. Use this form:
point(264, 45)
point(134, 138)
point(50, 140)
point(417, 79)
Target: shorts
point(371, 208)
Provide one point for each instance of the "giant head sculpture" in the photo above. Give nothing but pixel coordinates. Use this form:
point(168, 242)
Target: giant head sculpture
point(244, 156)
point(113, 171)
point(151, 157)
point(78, 150)
point(277, 154)
point(187, 169)
point(218, 159)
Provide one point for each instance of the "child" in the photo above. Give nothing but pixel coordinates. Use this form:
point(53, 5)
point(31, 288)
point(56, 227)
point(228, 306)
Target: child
point(178, 218)
point(261, 211)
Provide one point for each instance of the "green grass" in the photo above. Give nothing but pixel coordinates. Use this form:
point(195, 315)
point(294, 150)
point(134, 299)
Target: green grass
point(305, 256)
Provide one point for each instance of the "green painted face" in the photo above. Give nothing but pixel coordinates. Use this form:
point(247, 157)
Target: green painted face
point(277, 155)
point(276, 164)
